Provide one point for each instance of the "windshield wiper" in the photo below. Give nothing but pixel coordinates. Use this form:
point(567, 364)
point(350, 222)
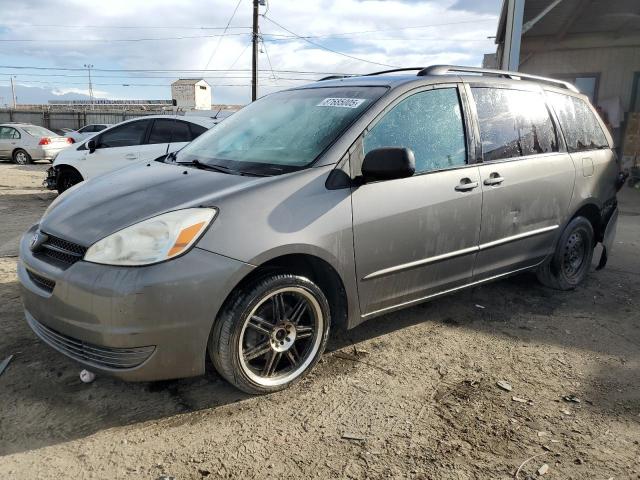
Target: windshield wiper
point(215, 168)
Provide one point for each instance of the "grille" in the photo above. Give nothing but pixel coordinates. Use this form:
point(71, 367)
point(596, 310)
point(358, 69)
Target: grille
point(42, 282)
point(106, 357)
point(63, 251)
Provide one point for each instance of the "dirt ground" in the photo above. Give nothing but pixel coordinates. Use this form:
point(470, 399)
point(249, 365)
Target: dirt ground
point(408, 395)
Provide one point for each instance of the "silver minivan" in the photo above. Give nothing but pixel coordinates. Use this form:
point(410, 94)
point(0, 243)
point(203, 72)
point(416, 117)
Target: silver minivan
point(315, 208)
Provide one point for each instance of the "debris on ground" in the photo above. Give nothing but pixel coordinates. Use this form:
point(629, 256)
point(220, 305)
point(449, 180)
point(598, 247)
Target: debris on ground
point(480, 306)
point(516, 476)
point(571, 399)
point(353, 436)
point(359, 352)
point(519, 399)
point(543, 469)
point(504, 385)
point(87, 377)
point(565, 411)
point(5, 363)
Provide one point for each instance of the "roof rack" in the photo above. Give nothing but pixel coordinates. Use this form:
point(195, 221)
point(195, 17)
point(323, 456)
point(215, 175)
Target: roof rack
point(445, 69)
point(336, 77)
point(393, 70)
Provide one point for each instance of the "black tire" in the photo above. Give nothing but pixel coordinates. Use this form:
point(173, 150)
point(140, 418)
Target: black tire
point(569, 265)
point(235, 339)
point(21, 157)
point(68, 178)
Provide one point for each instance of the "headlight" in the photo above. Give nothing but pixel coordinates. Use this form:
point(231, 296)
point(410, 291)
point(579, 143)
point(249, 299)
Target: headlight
point(154, 240)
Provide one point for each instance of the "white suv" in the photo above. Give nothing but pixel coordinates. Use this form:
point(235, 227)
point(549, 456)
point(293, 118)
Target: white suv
point(138, 140)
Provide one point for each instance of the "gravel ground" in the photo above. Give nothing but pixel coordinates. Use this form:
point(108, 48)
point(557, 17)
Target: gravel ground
point(408, 395)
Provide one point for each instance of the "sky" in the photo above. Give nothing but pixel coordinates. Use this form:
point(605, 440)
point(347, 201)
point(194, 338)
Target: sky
point(169, 39)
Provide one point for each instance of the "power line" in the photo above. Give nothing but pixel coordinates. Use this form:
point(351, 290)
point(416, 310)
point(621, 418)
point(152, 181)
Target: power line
point(130, 76)
point(195, 27)
point(166, 70)
point(110, 40)
point(327, 48)
point(136, 27)
point(268, 58)
point(223, 34)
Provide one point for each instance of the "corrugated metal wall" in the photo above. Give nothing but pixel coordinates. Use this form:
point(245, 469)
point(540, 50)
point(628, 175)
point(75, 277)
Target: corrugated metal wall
point(616, 66)
point(70, 119)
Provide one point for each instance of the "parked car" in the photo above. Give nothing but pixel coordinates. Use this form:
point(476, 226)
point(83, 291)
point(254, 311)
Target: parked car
point(318, 207)
point(138, 140)
point(87, 131)
point(24, 143)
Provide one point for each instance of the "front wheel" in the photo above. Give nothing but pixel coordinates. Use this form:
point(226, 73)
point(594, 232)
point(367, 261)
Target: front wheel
point(570, 263)
point(270, 333)
point(68, 178)
point(21, 157)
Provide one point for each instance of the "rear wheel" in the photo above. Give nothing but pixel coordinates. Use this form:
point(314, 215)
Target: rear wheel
point(21, 157)
point(271, 333)
point(570, 263)
point(68, 178)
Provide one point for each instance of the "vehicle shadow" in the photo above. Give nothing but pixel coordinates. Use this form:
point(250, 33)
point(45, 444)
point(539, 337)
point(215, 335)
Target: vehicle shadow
point(45, 403)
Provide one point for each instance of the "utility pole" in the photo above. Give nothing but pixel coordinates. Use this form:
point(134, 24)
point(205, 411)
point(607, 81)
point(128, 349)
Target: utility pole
point(254, 60)
point(89, 66)
point(13, 93)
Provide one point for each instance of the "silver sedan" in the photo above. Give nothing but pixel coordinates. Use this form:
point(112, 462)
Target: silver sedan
point(24, 143)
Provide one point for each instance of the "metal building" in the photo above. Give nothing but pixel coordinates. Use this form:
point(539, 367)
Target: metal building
point(594, 44)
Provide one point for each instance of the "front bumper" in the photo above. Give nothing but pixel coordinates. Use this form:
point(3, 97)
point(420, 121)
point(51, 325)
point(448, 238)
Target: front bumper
point(135, 323)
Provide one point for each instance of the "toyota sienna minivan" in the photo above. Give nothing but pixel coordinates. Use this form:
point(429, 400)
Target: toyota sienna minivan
point(315, 208)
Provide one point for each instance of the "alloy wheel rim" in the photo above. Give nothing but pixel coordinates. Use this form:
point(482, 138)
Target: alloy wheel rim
point(281, 336)
point(21, 158)
point(574, 254)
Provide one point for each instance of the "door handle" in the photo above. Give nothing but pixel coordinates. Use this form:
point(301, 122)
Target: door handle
point(494, 179)
point(465, 185)
point(130, 156)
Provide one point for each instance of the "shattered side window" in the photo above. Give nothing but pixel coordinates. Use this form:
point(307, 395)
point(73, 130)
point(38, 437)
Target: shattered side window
point(513, 123)
point(581, 129)
point(430, 124)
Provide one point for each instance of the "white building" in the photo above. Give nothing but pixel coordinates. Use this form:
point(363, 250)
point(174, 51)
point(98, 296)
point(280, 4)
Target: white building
point(191, 93)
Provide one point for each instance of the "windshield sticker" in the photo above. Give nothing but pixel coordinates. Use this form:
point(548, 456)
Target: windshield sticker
point(341, 102)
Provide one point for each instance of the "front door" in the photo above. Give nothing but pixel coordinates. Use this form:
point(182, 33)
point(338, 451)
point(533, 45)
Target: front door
point(117, 148)
point(527, 181)
point(417, 236)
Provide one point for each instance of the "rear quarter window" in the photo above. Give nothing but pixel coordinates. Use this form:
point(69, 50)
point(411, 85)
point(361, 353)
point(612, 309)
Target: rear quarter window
point(581, 128)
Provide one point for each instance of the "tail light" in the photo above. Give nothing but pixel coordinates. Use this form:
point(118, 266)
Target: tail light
point(44, 141)
point(70, 140)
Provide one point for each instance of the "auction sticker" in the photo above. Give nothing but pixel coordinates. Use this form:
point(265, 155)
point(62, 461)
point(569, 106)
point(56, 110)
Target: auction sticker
point(341, 102)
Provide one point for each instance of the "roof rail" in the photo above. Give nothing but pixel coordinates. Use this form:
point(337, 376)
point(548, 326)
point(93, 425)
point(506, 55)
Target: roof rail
point(445, 69)
point(393, 70)
point(334, 77)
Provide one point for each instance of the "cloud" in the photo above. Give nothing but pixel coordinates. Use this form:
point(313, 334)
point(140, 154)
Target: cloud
point(451, 31)
point(80, 91)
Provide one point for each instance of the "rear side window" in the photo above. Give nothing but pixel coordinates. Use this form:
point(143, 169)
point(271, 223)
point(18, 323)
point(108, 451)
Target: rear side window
point(181, 132)
point(582, 131)
point(161, 131)
point(430, 124)
point(513, 123)
point(196, 130)
point(7, 133)
point(131, 133)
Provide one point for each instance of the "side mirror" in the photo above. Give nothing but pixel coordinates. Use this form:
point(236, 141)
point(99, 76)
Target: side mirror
point(91, 145)
point(388, 163)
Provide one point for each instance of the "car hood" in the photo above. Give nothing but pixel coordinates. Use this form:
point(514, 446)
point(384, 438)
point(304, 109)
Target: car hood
point(101, 206)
